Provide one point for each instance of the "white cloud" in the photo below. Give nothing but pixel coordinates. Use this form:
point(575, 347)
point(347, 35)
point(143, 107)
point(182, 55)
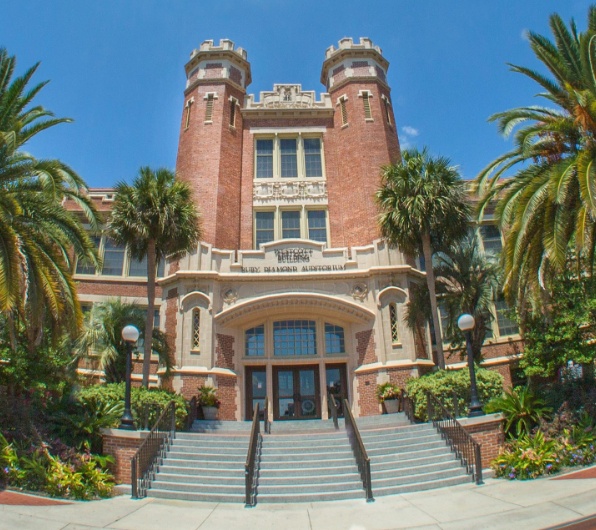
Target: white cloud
point(410, 131)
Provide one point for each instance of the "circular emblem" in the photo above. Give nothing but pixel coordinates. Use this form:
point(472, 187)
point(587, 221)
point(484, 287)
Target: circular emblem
point(308, 406)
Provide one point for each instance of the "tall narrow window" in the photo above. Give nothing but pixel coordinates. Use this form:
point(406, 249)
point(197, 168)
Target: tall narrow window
point(264, 158)
point(84, 266)
point(264, 227)
point(317, 225)
point(289, 163)
point(255, 341)
point(113, 258)
point(394, 323)
point(209, 108)
point(506, 325)
point(491, 239)
point(334, 339)
point(343, 109)
point(290, 224)
point(233, 103)
point(312, 157)
point(366, 102)
point(196, 329)
point(188, 107)
point(387, 107)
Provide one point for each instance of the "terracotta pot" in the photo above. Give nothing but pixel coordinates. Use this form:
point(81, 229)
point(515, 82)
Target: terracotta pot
point(209, 413)
point(392, 406)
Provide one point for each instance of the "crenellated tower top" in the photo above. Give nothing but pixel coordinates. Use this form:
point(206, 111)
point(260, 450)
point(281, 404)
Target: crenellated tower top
point(350, 60)
point(221, 62)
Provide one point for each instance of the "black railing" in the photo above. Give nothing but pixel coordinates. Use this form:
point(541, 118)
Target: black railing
point(251, 468)
point(333, 408)
point(459, 440)
point(359, 451)
point(152, 451)
point(407, 405)
point(266, 422)
point(193, 405)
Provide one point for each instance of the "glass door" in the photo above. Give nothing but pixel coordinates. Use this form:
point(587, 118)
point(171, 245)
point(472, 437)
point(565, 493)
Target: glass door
point(337, 384)
point(296, 393)
point(256, 389)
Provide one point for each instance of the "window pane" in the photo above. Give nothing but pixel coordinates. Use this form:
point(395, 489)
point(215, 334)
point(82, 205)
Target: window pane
point(317, 225)
point(161, 268)
point(312, 157)
point(264, 158)
point(294, 337)
point(113, 259)
point(255, 341)
point(334, 339)
point(138, 268)
point(506, 326)
point(84, 267)
point(289, 167)
point(263, 227)
point(290, 224)
point(394, 323)
point(491, 238)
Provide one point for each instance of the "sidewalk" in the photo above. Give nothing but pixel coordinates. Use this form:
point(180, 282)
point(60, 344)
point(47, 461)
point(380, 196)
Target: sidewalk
point(498, 504)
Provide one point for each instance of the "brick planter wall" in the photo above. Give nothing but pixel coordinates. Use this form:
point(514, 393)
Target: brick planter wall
point(122, 445)
point(487, 431)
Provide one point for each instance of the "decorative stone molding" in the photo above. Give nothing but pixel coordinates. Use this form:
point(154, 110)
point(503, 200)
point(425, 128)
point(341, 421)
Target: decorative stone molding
point(286, 97)
point(266, 192)
point(230, 296)
point(359, 291)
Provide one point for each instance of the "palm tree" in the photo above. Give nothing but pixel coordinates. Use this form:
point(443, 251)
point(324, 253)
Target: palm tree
point(467, 282)
point(547, 209)
point(102, 337)
point(423, 207)
point(38, 238)
point(156, 218)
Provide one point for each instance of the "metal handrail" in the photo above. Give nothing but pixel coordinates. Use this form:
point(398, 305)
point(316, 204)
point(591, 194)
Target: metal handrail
point(459, 440)
point(150, 454)
point(359, 450)
point(407, 405)
point(266, 422)
point(333, 408)
point(252, 461)
point(192, 412)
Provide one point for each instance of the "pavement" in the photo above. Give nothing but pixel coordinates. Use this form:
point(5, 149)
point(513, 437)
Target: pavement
point(497, 504)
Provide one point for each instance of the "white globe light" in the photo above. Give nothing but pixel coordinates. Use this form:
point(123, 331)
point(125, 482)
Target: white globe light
point(466, 322)
point(130, 333)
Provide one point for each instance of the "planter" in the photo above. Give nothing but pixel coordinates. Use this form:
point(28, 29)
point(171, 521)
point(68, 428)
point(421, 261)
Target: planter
point(209, 413)
point(391, 406)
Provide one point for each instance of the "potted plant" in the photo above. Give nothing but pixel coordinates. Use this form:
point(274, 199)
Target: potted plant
point(209, 402)
point(388, 395)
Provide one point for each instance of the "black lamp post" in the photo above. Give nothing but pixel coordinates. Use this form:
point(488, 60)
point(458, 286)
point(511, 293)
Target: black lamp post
point(130, 335)
point(466, 323)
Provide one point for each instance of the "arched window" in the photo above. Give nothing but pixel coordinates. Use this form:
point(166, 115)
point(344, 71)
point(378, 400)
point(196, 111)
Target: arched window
point(394, 323)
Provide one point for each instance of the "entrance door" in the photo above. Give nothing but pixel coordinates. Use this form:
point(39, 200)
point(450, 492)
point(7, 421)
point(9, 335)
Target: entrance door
point(256, 389)
point(337, 384)
point(296, 393)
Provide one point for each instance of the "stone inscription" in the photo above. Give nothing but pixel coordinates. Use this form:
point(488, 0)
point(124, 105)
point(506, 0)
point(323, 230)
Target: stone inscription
point(304, 268)
point(293, 255)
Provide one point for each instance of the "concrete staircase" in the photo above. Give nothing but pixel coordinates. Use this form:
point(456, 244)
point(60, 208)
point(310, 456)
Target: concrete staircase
point(306, 461)
point(406, 457)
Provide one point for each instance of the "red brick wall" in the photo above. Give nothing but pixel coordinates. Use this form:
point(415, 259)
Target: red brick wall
point(105, 287)
point(365, 347)
point(491, 437)
point(191, 384)
point(227, 391)
point(122, 449)
point(224, 351)
point(367, 397)
point(399, 377)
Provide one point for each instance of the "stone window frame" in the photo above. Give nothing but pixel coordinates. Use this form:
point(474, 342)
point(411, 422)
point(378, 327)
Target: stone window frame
point(188, 108)
point(342, 104)
point(278, 223)
point(234, 105)
point(387, 108)
point(196, 330)
point(394, 324)
point(396, 297)
point(300, 156)
point(320, 339)
point(366, 95)
point(209, 99)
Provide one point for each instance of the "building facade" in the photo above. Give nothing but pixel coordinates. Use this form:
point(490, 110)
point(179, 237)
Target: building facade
point(291, 293)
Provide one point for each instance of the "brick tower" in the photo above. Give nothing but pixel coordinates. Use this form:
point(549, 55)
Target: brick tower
point(210, 146)
point(363, 138)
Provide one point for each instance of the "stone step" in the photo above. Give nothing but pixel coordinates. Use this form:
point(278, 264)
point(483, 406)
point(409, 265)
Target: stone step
point(421, 486)
point(211, 438)
point(297, 460)
point(221, 479)
point(409, 455)
point(209, 449)
point(270, 479)
point(382, 471)
point(223, 489)
point(273, 470)
point(399, 480)
point(206, 472)
point(273, 447)
point(204, 462)
point(357, 493)
point(196, 496)
point(210, 456)
point(314, 487)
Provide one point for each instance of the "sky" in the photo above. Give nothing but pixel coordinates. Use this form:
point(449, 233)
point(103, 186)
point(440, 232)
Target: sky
point(117, 67)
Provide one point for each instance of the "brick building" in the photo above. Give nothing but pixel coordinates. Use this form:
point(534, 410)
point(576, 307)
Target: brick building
point(291, 293)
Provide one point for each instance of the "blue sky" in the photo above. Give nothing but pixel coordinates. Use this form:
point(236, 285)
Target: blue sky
point(117, 67)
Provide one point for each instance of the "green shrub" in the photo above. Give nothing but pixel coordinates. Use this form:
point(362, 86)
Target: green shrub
point(444, 383)
point(387, 391)
point(528, 457)
point(522, 409)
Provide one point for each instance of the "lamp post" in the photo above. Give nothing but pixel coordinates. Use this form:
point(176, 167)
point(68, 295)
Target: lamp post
point(466, 323)
point(130, 335)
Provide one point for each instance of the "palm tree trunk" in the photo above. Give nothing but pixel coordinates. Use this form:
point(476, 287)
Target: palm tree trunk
point(151, 274)
point(430, 282)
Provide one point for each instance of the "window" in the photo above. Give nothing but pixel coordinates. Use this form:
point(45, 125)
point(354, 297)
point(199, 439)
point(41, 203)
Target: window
point(264, 159)
point(366, 102)
point(288, 158)
point(188, 107)
point(209, 108)
point(343, 110)
point(394, 323)
point(196, 329)
point(264, 228)
point(334, 339)
point(506, 326)
point(84, 266)
point(233, 103)
point(138, 268)
point(255, 341)
point(387, 107)
point(290, 224)
point(294, 337)
point(113, 258)
point(491, 239)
